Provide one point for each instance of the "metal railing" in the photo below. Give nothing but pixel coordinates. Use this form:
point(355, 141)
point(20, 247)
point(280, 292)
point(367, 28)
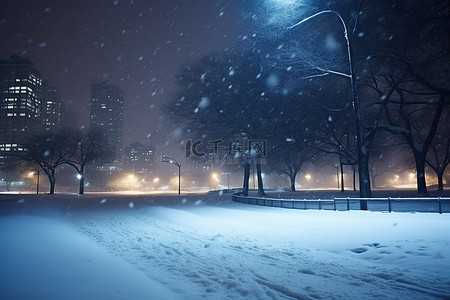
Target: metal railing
point(389, 204)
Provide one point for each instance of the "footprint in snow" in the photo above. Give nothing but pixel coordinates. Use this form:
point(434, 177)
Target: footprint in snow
point(359, 250)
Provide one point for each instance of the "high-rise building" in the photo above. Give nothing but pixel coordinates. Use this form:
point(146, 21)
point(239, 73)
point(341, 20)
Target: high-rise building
point(139, 159)
point(107, 115)
point(51, 107)
point(20, 105)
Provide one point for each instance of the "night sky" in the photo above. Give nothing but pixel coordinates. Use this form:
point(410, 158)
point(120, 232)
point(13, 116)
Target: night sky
point(138, 45)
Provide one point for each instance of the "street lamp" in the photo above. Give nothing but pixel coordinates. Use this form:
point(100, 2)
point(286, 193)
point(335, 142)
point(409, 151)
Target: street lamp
point(37, 184)
point(228, 178)
point(215, 177)
point(172, 161)
point(396, 177)
point(411, 178)
point(131, 179)
point(308, 177)
point(364, 182)
point(155, 181)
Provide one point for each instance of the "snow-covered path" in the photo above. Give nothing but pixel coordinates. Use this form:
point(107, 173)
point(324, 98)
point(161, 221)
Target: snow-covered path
point(203, 248)
point(257, 252)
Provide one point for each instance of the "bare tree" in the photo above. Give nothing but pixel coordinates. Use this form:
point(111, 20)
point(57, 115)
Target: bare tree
point(410, 61)
point(12, 169)
point(48, 152)
point(439, 155)
point(230, 96)
point(290, 161)
point(84, 148)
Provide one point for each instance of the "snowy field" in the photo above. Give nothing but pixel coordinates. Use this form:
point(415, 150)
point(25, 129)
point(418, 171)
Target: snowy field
point(207, 247)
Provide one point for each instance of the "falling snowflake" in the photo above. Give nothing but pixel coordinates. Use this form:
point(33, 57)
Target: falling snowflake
point(204, 103)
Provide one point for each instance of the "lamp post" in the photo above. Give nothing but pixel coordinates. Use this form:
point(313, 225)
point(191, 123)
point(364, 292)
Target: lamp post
point(308, 178)
point(131, 178)
point(396, 177)
point(172, 161)
point(228, 178)
point(411, 178)
point(364, 182)
point(37, 183)
point(215, 177)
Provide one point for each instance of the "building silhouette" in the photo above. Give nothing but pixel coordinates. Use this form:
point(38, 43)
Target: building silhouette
point(20, 105)
point(139, 159)
point(107, 113)
point(51, 107)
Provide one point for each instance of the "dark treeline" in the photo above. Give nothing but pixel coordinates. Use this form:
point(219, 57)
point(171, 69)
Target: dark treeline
point(293, 88)
point(78, 148)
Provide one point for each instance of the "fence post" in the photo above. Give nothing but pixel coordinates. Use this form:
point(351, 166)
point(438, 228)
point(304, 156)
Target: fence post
point(389, 201)
point(320, 206)
point(348, 204)
point(292, 204)
point(440, 205)
point(334, 203)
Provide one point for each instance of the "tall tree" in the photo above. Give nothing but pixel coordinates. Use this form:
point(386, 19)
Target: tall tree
point(48, 152)
point(232, 96)
point(84, 148)
point(439, 155)
point(410, 62)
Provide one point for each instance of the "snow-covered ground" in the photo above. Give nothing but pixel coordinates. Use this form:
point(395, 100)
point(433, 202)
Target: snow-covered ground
point(205, 246)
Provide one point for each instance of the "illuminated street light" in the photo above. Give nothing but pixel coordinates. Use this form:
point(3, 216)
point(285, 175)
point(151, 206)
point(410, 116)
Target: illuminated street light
point(31, 174)
point(172, 161)
point(364, 180)
point(215, 177)
point(308, 177)
point(396, 177)
point(228, 178)
point(79, 176)
point(411, 178)
point(131, 179)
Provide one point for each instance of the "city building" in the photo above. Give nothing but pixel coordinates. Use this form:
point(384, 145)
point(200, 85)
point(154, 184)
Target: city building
point(51, 107)
point(20, 105)
point(140, 159)
point(107, 114)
